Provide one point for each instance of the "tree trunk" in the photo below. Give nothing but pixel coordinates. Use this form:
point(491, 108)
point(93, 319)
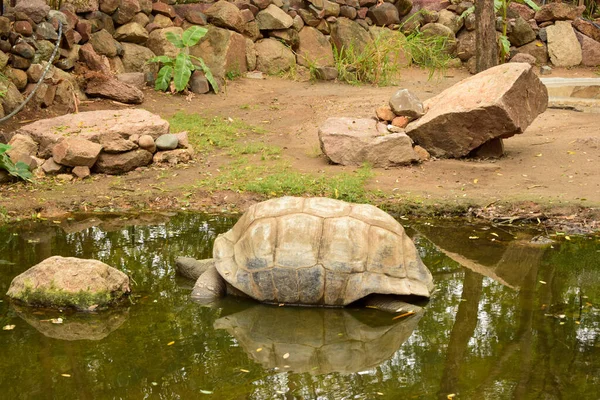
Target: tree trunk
point(486, 45)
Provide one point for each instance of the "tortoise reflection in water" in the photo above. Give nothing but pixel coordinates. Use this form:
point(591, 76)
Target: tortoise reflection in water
point(327, 340)
point(314, 251)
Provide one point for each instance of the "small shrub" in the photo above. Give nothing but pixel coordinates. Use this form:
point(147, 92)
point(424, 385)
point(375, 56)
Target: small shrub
point(179, 69)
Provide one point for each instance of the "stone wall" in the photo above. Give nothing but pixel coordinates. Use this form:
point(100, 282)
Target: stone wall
point(116, 37)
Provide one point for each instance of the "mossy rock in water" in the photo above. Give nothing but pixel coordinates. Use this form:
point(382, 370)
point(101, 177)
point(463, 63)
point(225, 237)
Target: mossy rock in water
point(69, 282)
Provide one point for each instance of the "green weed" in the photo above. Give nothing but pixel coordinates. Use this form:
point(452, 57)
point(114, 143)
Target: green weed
point(206, 134)
point(280, 179)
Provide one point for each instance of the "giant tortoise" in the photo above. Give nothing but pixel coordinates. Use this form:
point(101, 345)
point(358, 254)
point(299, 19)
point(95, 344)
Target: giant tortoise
point(314, 251)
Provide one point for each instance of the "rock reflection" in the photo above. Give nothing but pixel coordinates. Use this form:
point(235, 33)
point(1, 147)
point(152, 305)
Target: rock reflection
point(492, 253)
point(74, 326)
point(318, 340)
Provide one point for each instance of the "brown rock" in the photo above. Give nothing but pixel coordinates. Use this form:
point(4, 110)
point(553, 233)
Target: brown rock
point(173, 157)
point(146, 142)
point(81, 172)
point(590, 50)
point(385, 113)
point(314, 49)
point(587, 28)
point(73, 152)
point(115, 164)
point(497, 103)
point(101, 85)
point(23, 28)
point(93, 60)
point(350, 141)
point(400, 122)
point(558, 12)
point(126, 11)
point(115, 143)
point(422, 153)
point(226, 15)
point(163, 9)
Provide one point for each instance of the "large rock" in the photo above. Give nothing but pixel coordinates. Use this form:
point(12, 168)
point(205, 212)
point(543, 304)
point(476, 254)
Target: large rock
point(588, 28)
point(466, 45)
point(69, 282)
point(23, 148)
point(350, 141)
point(223, 51)
point(384, 14)
point(537, 49)
point(37, 10)
point(273, 17)
point(126, 11)
point(226, 15)
point(12, 98)
point(131, 32)
point(76, 152)
point(346, 34)
point(450, 20)
point(590, 50)
point(92, 125)
point(109, 87)
point(435, 30)
point(314, 49)
point(497, 103)
point(104, 43)
point(563, 46)
point(558, 12)
point(521, 33)
point(273, 57)
point(135, 58)
point(160, 45)
point(116, 164)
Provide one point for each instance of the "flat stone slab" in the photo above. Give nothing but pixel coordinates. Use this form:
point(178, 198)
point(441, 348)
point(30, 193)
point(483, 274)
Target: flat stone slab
point(354, 141)
point(497, 103)
point(92, 125)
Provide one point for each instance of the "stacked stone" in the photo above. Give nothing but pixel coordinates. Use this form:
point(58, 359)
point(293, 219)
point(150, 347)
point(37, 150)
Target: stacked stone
point(107, 141)
point(104, 39)
point(556, 33)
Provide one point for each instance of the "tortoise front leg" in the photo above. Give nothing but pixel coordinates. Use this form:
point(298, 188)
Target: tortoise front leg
point(209, 286)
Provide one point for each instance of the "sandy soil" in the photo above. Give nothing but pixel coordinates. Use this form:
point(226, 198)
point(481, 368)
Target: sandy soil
point(549, 171)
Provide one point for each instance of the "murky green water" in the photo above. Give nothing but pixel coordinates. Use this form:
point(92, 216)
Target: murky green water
point(518, 321)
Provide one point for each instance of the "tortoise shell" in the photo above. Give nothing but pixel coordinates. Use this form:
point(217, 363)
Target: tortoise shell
point(319, 251)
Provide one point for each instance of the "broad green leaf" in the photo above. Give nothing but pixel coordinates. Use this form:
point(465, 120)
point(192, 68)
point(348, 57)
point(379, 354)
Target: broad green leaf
point(175, 40)
point(498, 4)
point(182, 72)
point(164, 78)
point(193, 34)
point(207, 72)
point(504, 44)
point(531, 4)
point(161, 59)
point(4, 148)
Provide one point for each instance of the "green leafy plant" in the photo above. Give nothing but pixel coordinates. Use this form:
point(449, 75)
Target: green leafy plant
point(179, 69)
point(19, 170)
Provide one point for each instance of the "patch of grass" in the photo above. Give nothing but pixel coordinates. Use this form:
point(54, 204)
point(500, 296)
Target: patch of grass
point(206, 134)
point(279, 179)
point(378, 63)
point(382, 59)
point(267, 151)
point(427, 51)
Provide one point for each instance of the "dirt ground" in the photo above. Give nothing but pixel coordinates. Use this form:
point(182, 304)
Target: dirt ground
point(551, 171)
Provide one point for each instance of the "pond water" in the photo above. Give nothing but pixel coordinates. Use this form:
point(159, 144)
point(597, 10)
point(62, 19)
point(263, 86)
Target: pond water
point(509, 319)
